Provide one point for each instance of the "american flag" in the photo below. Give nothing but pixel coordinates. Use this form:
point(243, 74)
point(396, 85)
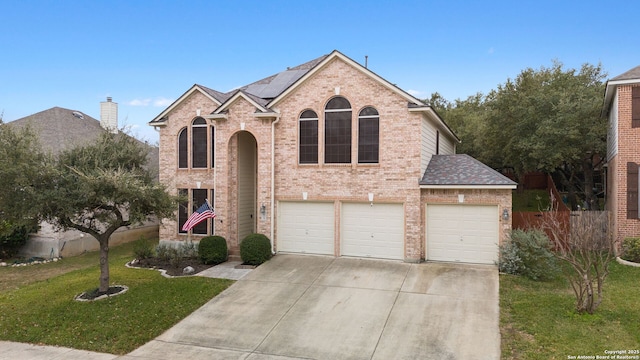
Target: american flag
point(204, 212)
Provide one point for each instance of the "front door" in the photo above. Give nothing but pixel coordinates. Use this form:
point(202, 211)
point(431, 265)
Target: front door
point(246, 182)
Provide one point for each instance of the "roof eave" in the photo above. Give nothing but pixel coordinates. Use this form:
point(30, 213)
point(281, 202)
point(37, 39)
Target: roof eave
point(462, 187)
point(429, 110)
point(610, 91)
point(173, 105)
point(232, 99)
point(336, 54)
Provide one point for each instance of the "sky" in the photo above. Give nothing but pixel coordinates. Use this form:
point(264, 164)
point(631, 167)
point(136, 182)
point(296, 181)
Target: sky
point(147, 53)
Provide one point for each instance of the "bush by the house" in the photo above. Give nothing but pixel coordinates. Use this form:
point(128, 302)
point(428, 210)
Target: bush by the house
point(255, 249)
point(213, 250)
point(631, 249)
point(528, 254)
point(143, 248)
point(14, 239)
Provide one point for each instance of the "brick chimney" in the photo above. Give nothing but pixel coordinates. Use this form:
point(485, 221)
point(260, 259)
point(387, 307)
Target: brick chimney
point(109, 115)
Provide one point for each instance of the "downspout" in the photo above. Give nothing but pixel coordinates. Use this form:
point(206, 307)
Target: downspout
point(273, 178)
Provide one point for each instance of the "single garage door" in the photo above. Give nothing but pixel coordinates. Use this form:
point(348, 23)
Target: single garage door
point(464, 233)
point(305, 227)
point(373, 231)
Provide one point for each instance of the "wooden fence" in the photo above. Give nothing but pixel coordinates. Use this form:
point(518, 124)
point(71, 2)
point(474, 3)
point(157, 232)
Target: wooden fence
point(568, 221)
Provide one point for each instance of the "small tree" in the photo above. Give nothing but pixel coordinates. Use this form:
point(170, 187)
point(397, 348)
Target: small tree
point(102, 187)
point(588, 252)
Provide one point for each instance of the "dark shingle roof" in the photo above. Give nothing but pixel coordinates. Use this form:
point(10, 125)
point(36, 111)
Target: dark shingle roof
point(461, 169)
point(629, 75)
point(274, 85)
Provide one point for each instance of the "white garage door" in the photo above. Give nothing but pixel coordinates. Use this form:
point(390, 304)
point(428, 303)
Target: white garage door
point(464, 233)
point(373, 231)
point(305, 227)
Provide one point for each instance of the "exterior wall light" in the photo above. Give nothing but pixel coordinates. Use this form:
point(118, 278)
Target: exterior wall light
point(505, 214)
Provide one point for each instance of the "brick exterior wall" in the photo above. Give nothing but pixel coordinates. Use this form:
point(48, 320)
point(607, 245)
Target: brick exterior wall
point(628, 151)
point(395, 179)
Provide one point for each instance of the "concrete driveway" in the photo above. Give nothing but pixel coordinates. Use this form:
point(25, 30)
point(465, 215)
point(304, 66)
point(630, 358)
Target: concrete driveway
point(316, 307)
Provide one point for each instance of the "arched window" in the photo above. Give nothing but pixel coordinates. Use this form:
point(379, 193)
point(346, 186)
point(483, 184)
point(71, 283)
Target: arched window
point(183, 151)
point(337, 131)
point(308, 142)
point(368, 135)
point(199, 143)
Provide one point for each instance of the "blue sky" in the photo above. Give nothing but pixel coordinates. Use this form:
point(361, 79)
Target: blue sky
point(145, 54)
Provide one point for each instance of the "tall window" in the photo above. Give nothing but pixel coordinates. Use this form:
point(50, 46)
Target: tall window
point(183, 151)
point(368, 136)
point(199, 197)
point(199, 143)
point(308, 137)
point(213, 146)
point(183, 209)
point(337, 131)
point(635, 106)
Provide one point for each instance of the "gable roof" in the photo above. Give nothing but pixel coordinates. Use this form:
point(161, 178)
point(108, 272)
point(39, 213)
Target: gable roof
point(216, 96)
point(628, 77)
point(59, 129)
point(267, 92)
point(460, 171)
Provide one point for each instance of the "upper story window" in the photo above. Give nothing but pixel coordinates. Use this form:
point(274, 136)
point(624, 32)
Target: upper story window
point(199, 143)
point(202, 143)
point(635, 106)
point(183, 151)
point(368, 136)
point(308, 137)
point(337, 131)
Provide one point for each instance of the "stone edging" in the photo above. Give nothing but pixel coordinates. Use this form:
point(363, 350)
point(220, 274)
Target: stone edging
point(162, 271)
point(625, 262)
point(125, 289)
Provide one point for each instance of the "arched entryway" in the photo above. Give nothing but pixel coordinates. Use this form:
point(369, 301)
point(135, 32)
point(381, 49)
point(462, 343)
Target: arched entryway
point(244, 179)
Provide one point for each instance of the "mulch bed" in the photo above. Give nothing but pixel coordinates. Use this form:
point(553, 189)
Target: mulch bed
point(172, 268)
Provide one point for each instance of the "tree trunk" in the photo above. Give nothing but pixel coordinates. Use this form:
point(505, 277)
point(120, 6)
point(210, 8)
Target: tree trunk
point(104, 264)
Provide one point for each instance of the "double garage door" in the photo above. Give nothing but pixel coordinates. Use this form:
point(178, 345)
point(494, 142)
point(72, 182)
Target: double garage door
point(365, 231)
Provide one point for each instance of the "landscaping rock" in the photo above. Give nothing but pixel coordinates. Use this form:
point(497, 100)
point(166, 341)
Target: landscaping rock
point(188, 270)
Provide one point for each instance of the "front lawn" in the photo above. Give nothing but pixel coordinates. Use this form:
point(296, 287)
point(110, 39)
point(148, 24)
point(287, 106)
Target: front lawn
point(537, 320)
point(40, 309)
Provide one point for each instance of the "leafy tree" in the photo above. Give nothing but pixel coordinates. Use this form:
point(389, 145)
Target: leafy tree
point(546, 119)
point(101, 187)
point(24, 169)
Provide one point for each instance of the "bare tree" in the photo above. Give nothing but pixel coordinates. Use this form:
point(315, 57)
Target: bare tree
point(588, 250)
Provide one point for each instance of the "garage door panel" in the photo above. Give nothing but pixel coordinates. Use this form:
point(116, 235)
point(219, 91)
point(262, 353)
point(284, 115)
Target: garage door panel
point(373, 231)
point(306, 227)
point(464, 233)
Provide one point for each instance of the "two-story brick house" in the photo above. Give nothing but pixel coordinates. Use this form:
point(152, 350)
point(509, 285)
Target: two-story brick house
point(622, 110)
point(330, 158)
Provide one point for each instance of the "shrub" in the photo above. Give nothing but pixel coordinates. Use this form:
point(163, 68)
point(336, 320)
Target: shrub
point(162, 252)
point(255, 249)
point(213, 250)
point(631, 249)
point(143, 248)
point(528, 254)
point(189, 249)
point(13, 241)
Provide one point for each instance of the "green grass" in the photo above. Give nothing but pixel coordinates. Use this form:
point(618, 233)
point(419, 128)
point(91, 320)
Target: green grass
point(538, 320)
point(43, 311)
point(530, 200)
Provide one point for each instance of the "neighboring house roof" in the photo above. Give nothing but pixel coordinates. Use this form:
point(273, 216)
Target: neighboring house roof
point(267, 92)
point(629, 77)
point(461, 170)
point(59, 129)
